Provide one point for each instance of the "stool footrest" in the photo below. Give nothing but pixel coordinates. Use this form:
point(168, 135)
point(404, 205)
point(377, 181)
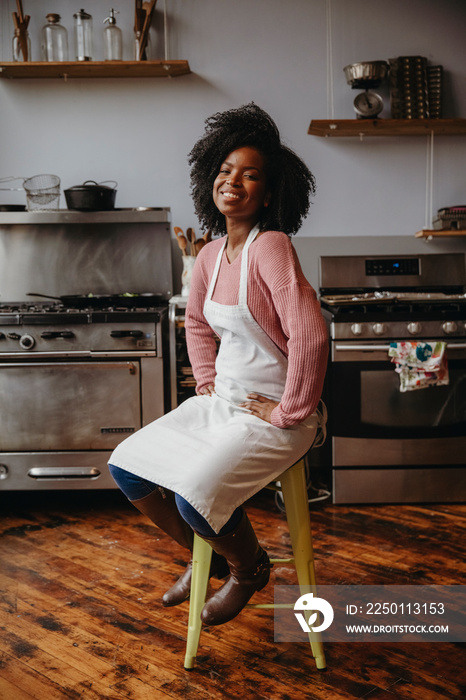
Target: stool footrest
point(282, 561)
point(270, 606)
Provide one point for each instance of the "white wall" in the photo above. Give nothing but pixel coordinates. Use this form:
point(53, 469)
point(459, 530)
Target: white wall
point(274, 52)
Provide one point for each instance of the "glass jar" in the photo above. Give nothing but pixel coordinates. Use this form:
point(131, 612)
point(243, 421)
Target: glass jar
point(83, 35)
point(21, 48)
point(147, 54)
point(113, 41)
point(54, 40)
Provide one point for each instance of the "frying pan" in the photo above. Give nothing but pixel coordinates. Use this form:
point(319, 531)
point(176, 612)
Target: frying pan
point(98, 301)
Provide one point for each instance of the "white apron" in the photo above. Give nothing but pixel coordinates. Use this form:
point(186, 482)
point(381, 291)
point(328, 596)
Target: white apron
point(210, 451)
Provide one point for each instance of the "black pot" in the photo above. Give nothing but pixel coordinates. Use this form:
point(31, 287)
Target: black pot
point(91, 196)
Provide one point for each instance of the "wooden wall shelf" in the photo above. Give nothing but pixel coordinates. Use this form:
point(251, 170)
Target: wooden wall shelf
point(433, 233)
point(385, 127)
point(95, 69)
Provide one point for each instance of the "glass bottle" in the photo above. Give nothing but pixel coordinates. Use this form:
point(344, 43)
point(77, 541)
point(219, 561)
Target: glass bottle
point(54, 40)
point(113, 41)
point(21, 46)
point(83, 35)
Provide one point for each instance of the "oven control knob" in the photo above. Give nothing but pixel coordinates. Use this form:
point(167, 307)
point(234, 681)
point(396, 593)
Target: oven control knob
point(449, 327)
point(2, 336)
point(414, 328)
point(27, 342)
point(357, 328)
point(13, 336)
point(378, 328)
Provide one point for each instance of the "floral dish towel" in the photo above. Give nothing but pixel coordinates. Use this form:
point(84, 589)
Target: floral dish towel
point(420, 365)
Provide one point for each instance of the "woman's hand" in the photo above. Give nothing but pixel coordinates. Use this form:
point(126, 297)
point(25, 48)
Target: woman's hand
point(260, 406)
point(207, 390)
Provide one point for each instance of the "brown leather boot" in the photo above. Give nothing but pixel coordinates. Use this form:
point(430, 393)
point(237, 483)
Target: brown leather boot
point(181, 590)
point(160, 507)
point(249, 572)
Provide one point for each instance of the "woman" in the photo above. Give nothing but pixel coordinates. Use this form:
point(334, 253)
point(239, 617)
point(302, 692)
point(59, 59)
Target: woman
point(253, 415)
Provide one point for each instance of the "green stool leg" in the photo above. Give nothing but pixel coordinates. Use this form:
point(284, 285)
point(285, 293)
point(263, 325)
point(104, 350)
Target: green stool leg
point(293, 485)
point(202, 554)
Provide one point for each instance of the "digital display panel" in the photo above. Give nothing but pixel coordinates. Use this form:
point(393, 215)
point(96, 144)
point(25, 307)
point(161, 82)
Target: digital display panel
point(392, 267)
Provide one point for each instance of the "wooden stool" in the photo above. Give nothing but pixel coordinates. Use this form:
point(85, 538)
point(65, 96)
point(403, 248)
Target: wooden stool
point(294, 490)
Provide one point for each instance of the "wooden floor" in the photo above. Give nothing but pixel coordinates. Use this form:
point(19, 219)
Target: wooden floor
point(82, 574)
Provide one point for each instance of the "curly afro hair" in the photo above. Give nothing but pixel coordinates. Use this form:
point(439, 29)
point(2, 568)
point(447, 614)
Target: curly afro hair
point(289, 180)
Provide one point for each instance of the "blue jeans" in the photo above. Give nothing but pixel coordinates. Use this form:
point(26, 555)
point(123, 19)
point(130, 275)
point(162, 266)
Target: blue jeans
point(135, 487)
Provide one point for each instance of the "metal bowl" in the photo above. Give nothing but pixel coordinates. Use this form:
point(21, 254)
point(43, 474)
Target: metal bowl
point(366, 74)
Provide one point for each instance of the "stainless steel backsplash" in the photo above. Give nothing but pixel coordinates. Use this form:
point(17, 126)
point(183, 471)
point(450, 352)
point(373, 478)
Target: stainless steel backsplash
point(72, 253)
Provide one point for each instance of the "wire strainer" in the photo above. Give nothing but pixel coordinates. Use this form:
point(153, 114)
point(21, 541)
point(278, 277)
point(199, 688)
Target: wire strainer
point(42, 192)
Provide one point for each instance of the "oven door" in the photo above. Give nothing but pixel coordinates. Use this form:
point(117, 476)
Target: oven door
point(68, 405)
point(373, 423)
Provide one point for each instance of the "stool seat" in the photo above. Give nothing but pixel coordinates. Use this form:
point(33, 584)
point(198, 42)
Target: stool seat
point(294, 491)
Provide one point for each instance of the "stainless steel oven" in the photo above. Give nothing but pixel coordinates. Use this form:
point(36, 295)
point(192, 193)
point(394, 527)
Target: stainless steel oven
point(73, 384)
point(388, 445)
point(85, 366)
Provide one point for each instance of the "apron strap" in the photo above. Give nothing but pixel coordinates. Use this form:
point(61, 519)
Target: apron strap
point(213, 279)
point(243, 281)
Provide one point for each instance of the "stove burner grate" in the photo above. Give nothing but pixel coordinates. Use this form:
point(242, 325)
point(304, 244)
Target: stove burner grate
point(42, 308)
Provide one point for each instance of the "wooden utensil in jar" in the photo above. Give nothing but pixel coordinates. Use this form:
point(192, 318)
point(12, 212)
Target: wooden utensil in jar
point(148, 11)
point(190, 235)
point(198, 245)
point(181, 239)
point(21, 22)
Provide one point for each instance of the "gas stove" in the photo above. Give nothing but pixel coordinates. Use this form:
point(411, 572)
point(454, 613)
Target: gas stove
point(49, 328)
point(80, 372)
point(394, 298)
point(42, 308)
point(389, 444)
point(60, 366)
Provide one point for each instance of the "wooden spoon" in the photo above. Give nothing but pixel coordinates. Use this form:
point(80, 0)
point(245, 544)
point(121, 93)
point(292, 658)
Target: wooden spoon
point(138, 20)
point(181, 239)
point(192, 240)
point(20, 10)
point(198, 245)
point(182, 243)
point(148, 9)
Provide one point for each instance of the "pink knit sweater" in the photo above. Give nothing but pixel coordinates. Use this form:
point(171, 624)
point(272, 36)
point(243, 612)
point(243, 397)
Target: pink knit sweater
point(284, 305)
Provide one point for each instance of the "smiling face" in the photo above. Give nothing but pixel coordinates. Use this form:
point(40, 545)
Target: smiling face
point(240, 188)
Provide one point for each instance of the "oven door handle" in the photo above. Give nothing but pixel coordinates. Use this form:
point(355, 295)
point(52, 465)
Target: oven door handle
point(95, 365)
point(450, 346)
point(59, 474)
